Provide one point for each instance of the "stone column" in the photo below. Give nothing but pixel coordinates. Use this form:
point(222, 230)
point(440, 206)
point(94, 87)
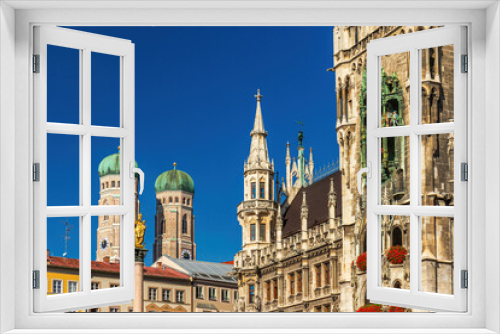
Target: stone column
point(138, 303)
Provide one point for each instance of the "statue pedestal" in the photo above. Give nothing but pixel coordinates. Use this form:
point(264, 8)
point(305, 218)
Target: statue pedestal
point(138, 302)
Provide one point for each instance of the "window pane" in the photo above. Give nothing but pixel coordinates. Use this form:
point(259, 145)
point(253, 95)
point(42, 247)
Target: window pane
point(438, 169)
point(63, 170)
point(437, 254)
point(63, 255)
point(395, 102)
point(106, 251)
point(437, 84)
point(105, 90)
point(395, 255)
point(106, 171)
point(63, 85)
point(395, 178)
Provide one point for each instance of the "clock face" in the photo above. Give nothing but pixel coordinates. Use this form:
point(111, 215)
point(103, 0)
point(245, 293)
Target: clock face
point(185, 254)
point(104, 243)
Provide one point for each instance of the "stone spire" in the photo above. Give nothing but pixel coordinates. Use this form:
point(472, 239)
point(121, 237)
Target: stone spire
point(259, 156)
point(304, 215)
point(311, 166)
point(288, 163)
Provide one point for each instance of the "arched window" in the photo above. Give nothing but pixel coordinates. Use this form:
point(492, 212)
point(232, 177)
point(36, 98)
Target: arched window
point(184, 224)
point(103, 185)
point(188, 202)
point(184, 200)
point(397, 237)
point(170, 199)
point(177, 200)
point(107, 184)
point(112, 184)
point(397, 285)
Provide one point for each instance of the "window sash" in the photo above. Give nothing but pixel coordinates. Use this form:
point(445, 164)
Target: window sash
point(87, 43)
point(412, 43)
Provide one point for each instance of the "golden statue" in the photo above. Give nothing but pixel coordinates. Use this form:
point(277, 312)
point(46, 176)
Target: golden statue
point(140, 230)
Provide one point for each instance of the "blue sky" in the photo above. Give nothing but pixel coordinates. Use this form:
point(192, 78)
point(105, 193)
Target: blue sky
point(195, 105)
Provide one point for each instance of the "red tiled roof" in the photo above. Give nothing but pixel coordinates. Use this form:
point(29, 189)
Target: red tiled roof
point(165, 272)
point(63, 262)
point(317, 200)
point(229, 262)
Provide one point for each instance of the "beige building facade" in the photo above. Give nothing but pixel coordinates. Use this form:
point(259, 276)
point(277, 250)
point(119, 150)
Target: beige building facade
point(309, 264)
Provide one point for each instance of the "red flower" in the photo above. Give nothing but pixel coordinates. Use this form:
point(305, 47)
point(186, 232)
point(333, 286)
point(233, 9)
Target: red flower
point(361, 262)
point(370, 308)
point(396, 254)
point(396, 309)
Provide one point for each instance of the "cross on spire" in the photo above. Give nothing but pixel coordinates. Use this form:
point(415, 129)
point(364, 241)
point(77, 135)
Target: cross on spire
point(258, 96)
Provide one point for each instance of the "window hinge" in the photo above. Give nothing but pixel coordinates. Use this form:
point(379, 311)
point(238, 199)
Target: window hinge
point(464, 171)
point(465, 279)
point(36, 279)
point(36, 63)
point(36, 172)
point(465, 64)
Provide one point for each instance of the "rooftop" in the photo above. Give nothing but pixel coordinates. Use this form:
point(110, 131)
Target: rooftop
point(317, 200)
point(203, 270)
point(70, 263)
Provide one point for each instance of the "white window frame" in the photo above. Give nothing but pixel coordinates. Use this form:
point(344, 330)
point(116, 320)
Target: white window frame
point(76, 285)
point(153, 292)
point(413, 43)
point(61, 286)
point(16, 20)
point(85, 43)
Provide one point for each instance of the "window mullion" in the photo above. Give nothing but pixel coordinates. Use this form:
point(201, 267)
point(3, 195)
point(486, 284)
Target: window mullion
point(86, 173)
point(415, 239)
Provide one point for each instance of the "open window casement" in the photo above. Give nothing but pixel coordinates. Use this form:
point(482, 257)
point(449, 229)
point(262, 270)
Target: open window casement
point(416, 155)
point(49, 293)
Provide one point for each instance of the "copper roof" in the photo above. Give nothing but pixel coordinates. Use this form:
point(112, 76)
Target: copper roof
point(317, 200)
point(63, 262)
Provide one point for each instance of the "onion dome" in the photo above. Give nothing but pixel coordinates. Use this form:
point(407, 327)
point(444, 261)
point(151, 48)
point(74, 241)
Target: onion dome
point(174, 179)
point(111, 165)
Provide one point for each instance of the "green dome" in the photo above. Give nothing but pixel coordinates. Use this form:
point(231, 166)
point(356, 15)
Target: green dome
point(111, 165)
point(174, 180)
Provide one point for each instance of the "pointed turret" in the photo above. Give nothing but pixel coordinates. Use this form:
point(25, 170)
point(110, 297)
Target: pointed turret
point(259, 156)
point(288, 163)
point(258, 125)
point(311, 166)
point(257, 219)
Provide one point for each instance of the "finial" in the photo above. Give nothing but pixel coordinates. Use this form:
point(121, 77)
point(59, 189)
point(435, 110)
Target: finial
point(175, 164)
point(258, 96)
point(119, 148)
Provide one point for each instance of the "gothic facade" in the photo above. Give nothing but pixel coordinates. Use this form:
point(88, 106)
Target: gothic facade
point(307, 259)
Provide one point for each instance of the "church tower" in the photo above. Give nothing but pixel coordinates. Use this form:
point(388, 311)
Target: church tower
point(257, 212)
point(108, 230)
point(174, 223)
